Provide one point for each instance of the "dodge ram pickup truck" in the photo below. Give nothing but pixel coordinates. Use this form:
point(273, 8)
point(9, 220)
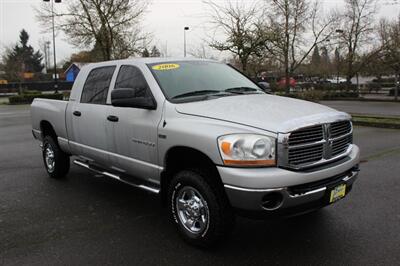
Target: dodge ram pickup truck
point(203, 136)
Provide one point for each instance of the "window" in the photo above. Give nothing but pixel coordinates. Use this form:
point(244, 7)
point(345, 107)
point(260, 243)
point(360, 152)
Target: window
point(130, 77)
point(176, 78)
point(96, 86)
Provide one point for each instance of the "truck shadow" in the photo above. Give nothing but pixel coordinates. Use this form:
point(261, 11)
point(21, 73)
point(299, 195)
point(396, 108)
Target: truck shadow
point(139, 221)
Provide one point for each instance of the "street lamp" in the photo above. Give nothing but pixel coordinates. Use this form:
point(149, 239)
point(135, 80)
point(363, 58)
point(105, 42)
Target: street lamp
point(184, 40)
point(339, 32)
point(54, 42)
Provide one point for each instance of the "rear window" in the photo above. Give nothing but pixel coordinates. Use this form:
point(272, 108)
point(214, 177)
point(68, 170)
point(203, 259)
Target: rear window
point(96, 87)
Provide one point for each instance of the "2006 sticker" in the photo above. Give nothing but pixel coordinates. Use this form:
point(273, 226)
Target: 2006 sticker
point(163, 67)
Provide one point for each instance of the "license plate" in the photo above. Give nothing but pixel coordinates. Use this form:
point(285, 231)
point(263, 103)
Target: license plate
point(337, 193)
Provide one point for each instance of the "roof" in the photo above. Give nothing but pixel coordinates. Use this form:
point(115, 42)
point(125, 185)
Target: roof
point(77, 64)
point(151, 60)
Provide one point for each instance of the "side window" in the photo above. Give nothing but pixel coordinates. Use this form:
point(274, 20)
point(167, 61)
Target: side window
point(130, 77)
point(96, 86)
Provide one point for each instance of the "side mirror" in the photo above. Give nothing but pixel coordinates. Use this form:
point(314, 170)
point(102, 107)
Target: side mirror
point(127, 97)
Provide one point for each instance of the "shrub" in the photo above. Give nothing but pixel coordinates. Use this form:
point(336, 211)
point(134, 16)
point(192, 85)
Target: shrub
point(28, 98)
point(318, 95)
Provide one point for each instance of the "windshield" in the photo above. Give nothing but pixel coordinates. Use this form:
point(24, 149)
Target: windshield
point(191, 79)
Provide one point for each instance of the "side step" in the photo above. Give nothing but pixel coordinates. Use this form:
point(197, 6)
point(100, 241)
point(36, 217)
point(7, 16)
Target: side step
point(144, 187)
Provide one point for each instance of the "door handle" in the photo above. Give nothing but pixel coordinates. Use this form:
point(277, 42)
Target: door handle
point(112, 118)
point(77, 113)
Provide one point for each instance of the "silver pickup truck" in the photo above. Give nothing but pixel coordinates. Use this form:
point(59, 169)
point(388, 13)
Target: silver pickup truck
point(203, 136)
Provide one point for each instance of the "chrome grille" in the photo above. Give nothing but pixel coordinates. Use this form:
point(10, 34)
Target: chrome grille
point(340, 146)
point(340, 128)
point(306, 154)
point(306, 135)
point(315, 144)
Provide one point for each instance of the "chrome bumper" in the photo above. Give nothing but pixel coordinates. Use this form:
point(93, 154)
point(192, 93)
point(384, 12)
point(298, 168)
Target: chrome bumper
point(253, 199)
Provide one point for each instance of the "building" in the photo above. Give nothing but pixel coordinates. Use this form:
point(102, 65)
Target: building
point(72, 71)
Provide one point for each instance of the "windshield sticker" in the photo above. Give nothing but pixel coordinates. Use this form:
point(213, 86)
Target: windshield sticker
point(163, 67)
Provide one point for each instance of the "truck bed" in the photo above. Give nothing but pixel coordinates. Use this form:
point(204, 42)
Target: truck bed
point(52, 111)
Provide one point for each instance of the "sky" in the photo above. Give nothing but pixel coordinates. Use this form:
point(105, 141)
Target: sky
point(165, 19)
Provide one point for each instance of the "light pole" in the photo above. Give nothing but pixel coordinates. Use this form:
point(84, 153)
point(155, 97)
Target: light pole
point(184, 40)
point(339, 32)
point(54, 43)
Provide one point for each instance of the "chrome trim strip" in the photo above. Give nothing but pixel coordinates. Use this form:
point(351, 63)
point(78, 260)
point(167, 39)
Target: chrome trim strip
point(253, 189)
point(307, 144)
point(144, 187)
point(118, 155)
point(308, 193)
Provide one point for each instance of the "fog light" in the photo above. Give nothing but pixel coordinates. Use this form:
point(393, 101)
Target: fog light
point(272, 201)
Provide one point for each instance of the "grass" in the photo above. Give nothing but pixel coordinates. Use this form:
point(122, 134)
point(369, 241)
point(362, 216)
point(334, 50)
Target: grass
point(377, 121)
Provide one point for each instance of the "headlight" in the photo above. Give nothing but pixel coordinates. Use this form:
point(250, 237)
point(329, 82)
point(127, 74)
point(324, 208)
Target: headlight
point(247, 150)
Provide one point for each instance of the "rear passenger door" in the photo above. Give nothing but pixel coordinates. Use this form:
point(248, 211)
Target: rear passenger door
point(90, 134)
point(134, 135)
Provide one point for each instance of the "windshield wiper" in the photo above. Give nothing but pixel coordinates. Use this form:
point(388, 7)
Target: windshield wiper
point(242, 90)
point(196, 93)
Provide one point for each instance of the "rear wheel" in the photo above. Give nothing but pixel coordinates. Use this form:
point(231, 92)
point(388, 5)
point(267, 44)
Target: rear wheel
point(55, 160)
point(199, 208)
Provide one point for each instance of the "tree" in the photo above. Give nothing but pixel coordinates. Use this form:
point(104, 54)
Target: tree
point(355, 32)
point(239, 22)
point(291, 21)
point(145, 53)
point(22, 58)
point(316, 61)
point(155, 52)
point(389, 32)
point(111, 25)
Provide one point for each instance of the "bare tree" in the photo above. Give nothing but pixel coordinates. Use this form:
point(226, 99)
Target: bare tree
point(297, 27)
point(239, 23)
point(110, 25)
point(389, 33)
point(202, 51)
point(355, 32)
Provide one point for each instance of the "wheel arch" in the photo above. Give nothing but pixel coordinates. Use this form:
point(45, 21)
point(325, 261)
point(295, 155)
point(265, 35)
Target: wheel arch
point(47, 129)
point(181, 157)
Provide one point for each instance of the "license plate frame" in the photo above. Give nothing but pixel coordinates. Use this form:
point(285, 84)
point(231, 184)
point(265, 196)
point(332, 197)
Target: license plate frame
point(337, 193)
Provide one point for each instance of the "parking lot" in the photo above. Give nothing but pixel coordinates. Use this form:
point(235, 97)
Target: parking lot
point(94, 220)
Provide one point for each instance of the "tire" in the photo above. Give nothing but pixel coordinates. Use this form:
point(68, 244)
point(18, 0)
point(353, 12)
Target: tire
point(195, 197)
point(55, 160)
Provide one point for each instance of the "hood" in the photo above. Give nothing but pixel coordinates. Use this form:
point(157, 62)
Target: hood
point(263, 111)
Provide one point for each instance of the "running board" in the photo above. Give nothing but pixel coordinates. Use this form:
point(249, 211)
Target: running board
point(144, 187)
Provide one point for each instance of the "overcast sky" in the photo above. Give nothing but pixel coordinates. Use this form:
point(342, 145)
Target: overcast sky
point(165, 19)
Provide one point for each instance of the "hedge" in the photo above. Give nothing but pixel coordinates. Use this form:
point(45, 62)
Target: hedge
point(28, 98)
point(317, 95)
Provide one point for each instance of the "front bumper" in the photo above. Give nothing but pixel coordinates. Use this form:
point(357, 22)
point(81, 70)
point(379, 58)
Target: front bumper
point(250, 189)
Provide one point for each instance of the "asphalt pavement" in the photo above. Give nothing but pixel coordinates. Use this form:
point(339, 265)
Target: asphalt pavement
point(89, 220)
point(366, 108)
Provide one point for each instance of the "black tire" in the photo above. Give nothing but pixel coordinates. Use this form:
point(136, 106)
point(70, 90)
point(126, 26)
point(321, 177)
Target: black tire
point(221, 218)
point(61, 159)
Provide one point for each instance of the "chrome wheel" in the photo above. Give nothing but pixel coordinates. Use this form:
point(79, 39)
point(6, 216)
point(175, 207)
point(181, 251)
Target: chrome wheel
point(49, 158)
point(192, 210)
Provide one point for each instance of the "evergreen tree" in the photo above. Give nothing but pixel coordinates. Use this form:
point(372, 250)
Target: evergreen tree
point(22, 58)
point(155, 52)
point(325, 60)
point(145, 53)
point(315, 62)
point(316, 57)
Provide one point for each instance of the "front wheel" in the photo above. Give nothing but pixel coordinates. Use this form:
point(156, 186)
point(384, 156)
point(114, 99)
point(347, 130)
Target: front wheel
point(199, 208)
point(55, 160)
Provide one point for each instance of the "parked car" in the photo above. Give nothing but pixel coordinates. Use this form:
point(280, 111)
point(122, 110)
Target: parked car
point(337, 80)
point(282, 82)
point(204, 137)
